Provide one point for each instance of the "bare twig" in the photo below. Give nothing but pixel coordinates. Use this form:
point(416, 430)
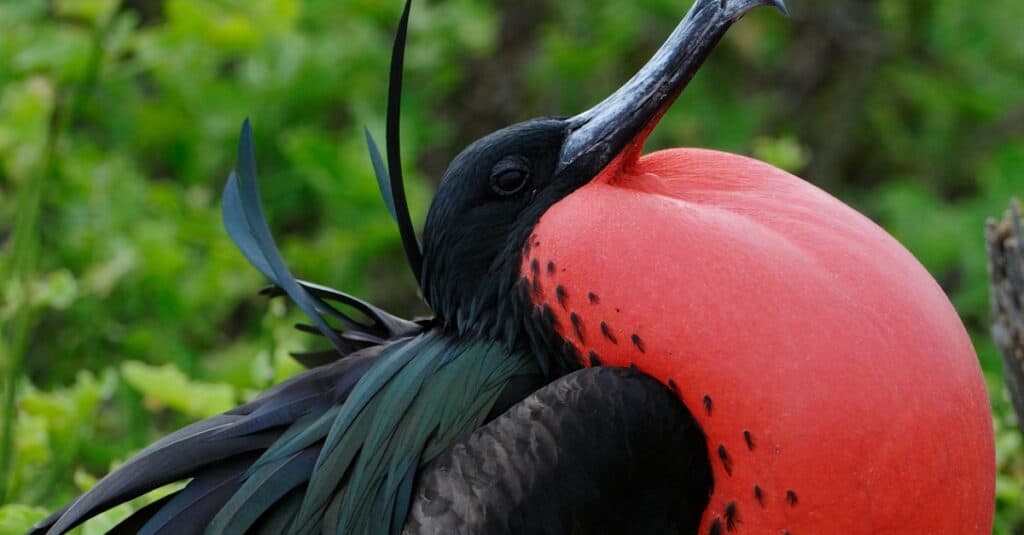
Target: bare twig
point(1006, 268)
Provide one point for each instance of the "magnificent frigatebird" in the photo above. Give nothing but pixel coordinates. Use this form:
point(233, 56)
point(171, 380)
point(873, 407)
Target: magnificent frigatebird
point(687, 341)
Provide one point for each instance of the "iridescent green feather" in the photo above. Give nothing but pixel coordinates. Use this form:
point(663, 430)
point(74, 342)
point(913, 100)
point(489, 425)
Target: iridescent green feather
point(420, 395)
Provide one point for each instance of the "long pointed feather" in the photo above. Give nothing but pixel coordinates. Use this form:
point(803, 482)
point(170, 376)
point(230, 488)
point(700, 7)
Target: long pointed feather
point(315, 359)
point(346, 320)
point(404, 497)
point(134, 523)
point(192, 508)
point(306, 432)
point(346, 336)
point(364, 338)
point(318, 389)
point(395, 325)
point(261, 490)
point(380, 170)
point(413, 251)
point(171, 459)
point(382, 324)
point(278, 519)
point(252, 212)
point(234, 222)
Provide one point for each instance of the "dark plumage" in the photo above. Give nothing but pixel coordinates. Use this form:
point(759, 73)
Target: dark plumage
point(603, 450)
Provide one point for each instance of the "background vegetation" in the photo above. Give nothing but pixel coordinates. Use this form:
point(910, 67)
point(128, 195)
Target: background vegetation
point(125, 312)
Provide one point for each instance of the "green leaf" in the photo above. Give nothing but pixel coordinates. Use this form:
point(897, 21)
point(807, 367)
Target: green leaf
point(168, 387)
point(16, 519)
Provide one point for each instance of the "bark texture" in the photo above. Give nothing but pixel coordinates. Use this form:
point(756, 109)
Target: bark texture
point(1006, 267)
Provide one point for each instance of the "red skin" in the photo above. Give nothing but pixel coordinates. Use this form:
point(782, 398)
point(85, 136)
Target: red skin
point(806, 325)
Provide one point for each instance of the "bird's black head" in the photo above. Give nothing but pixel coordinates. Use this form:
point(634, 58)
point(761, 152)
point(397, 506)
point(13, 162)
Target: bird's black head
point(497, 189)
point(489, 199)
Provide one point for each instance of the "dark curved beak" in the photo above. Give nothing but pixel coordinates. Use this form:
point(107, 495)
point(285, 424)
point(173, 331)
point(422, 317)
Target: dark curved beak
point(603, 132)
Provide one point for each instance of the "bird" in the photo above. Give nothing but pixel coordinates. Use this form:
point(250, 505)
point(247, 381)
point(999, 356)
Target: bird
point(686, 341)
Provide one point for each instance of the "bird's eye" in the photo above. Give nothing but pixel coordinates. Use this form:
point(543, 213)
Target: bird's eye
point(510, 175)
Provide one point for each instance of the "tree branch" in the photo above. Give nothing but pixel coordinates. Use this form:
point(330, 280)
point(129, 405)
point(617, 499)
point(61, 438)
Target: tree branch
point(1005, 241)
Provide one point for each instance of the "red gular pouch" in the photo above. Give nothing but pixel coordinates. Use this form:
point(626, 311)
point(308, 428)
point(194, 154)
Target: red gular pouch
point(836, 385)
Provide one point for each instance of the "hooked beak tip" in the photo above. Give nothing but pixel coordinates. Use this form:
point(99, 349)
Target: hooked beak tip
point(599, 134)
point(738, 8)
point(781, 6)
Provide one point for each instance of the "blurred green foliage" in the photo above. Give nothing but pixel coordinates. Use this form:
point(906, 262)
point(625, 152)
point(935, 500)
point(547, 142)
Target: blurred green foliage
point(125, 312)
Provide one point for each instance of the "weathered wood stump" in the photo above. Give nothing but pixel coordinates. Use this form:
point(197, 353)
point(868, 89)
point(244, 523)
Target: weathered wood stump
point(1006, 268)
